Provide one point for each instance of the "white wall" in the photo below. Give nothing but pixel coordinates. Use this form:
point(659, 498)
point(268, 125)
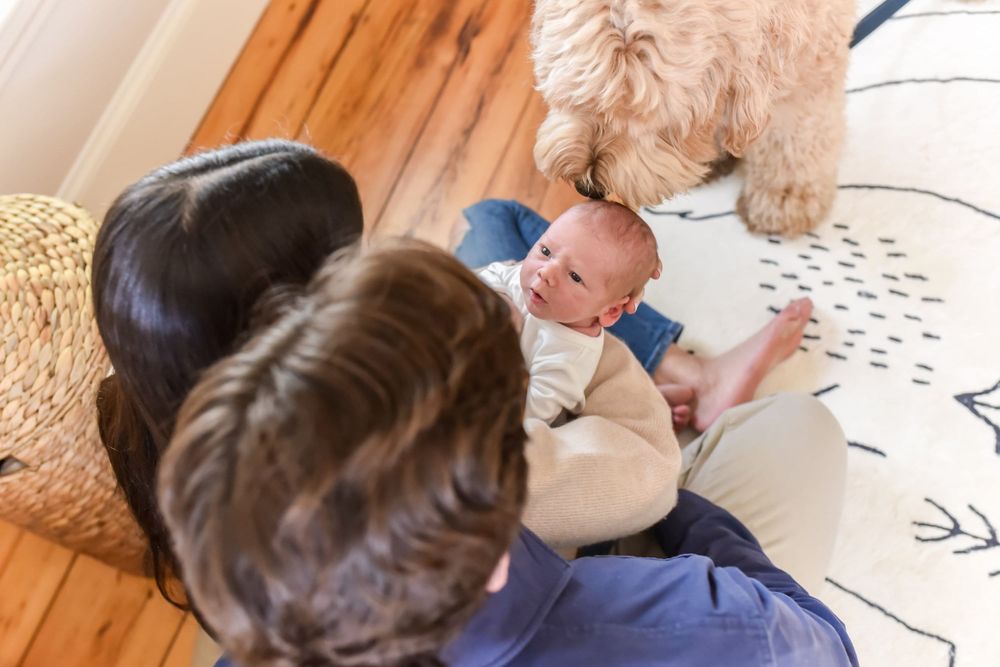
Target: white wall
point(93, 93)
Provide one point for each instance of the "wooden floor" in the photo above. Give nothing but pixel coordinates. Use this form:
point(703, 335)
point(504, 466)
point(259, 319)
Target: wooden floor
point(430, 105)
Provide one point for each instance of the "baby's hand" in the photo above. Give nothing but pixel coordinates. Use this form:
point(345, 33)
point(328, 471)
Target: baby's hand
point(633, 303)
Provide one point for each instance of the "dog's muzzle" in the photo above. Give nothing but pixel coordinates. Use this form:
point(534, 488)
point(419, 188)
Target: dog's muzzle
point(589, 191)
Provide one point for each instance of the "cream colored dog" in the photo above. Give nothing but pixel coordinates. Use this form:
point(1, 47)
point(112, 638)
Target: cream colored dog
point(645, 95)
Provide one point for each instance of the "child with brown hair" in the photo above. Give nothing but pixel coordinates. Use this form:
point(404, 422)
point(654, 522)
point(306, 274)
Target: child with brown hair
point(346, 489)
point(576, 280)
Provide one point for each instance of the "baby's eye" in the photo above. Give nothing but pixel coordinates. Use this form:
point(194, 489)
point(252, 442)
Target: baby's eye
point(544, 250)
point(575, 277)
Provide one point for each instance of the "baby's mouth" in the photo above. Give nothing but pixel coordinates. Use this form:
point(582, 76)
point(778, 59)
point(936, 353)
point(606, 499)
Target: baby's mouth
point(535, 296)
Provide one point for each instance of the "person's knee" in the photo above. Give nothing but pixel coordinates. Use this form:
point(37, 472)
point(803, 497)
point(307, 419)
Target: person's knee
point(817, 431)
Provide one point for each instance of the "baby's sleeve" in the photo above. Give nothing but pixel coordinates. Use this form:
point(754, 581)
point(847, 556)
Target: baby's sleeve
point(559, 372)
point(498, 276)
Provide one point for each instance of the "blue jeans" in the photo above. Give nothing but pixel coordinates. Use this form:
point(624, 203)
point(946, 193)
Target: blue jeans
point(501, 230)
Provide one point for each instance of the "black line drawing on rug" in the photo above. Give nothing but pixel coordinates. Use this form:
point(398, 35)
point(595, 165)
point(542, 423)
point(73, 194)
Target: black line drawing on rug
point(689, 215)
point(952, 648)
point(902, 82)
point(955, 12)
point(921, 191)
point(825, 390)
point(866, 448)
point(975, 402)
point(954, 529)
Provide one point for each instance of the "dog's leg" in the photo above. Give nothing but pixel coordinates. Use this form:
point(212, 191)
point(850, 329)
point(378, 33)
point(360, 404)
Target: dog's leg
point(791, 170)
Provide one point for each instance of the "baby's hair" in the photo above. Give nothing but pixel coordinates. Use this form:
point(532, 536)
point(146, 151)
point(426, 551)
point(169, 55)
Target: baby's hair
point(629, 232)
point(340, 489)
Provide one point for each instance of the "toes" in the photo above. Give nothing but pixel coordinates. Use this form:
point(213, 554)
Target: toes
point(676, 394)
point(681, 417)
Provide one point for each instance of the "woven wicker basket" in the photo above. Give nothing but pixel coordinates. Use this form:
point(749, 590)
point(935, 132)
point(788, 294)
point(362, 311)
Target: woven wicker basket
point(55, 479)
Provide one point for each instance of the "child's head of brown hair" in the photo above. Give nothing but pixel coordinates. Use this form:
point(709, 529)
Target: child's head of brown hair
point(340, 490)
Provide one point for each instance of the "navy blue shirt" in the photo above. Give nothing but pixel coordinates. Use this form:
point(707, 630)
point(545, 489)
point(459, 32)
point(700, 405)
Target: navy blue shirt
point(721, 604)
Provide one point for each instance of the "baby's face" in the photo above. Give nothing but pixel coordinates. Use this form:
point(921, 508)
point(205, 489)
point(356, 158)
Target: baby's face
point(569, 275)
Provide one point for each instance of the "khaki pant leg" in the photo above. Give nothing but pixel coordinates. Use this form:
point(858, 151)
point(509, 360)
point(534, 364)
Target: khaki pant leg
point(778, 465)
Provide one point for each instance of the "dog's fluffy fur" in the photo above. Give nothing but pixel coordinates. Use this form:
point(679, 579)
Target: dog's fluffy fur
point(645, 94)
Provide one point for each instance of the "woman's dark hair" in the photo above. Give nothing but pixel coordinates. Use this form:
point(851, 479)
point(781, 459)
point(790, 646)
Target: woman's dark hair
point(181, 260)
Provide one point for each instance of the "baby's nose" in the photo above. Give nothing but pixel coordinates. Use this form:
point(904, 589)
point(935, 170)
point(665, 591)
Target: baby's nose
point(546, 273)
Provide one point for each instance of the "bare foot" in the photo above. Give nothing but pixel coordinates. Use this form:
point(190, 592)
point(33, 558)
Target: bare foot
point(732, 377)
point(680, 399)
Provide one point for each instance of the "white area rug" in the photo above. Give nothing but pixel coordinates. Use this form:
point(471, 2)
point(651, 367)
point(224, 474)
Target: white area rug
point(905, 343)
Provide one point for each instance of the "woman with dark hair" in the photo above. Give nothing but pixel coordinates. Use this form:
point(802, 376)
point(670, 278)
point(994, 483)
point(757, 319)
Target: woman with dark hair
point(188, 256)
point(181, 260)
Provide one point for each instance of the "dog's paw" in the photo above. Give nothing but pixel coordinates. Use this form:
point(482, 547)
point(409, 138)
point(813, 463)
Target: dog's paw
point(788, 211)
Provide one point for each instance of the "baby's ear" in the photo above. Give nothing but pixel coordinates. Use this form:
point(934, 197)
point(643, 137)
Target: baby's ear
point(613, 313)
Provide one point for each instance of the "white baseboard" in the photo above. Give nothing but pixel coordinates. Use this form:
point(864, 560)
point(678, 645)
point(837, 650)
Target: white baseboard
point(162, 98)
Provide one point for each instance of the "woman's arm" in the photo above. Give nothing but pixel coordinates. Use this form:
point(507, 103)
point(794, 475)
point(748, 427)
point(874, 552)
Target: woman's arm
point(612, 471)
point(797, 620)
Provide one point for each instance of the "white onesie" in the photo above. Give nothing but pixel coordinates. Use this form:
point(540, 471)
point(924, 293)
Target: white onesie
point(561, 361)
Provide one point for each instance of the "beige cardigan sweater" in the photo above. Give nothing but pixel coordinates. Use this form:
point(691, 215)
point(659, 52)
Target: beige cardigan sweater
point(613, 470)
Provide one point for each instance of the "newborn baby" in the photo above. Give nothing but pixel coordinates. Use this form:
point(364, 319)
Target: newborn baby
point(576, 280)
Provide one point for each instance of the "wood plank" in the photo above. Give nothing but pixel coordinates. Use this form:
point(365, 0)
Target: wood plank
point(253, 72)
point(468, 131)
point(152, 634)
point(516, 176)
point(9, 536)
point(92, 614)
point(35, 569)
point(183, 645)
point(379, 95)
point(282, 109)
point(559, 196)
